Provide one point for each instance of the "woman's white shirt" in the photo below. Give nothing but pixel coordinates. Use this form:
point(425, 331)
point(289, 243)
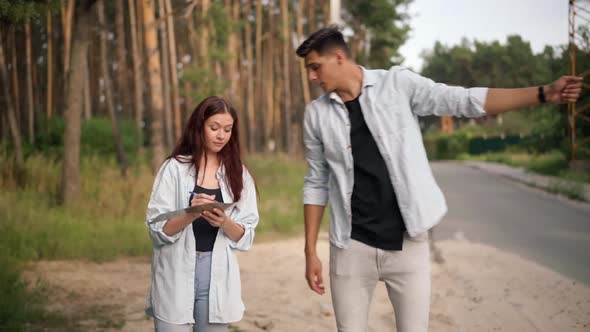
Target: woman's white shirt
point(171, 294)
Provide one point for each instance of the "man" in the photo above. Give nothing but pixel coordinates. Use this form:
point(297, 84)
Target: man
point(366, 157)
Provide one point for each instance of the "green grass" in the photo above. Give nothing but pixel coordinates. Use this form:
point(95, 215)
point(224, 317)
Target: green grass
point(280, 183)
point(553, 163)
point(14, 309)
point(575, 176)
point(567, 182)
point(107, 221)
point(22, 305)
point(573, 190)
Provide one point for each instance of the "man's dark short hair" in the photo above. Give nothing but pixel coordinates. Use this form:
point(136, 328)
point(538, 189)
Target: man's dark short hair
point(325, 39)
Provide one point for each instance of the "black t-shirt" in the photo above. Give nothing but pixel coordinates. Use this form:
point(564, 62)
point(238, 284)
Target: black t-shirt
point(376, 217)
point(204, 233)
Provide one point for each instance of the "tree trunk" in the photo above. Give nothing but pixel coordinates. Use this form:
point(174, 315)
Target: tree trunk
point(66, 20)
point(93, 71)
point(194, 56)
point(87, 97)
point(173, 70)
point(311, 23)
point(29, 74)
point(4, 127)
point(137, 74)
point(286, 77)
point(356, 42)
point(188, 99)
point(106, 76)
point(269, 89)
point(335, 6)
point(326, 12)
point(11, 115)
point(232, 50)
point(296, 134)
point(259, 134)
point(36, 94)
point(204, 41)
point(241, 84)
point(165, 76)
point(276, 117)
point(278, 88)
point(193, 37)
point(218, 71)
point(304, 83)
point(186, 85)
point(250, 80)
point(140, 34)
point(155, 83)
point(67, 12)
point(122, 72)
point(74, 98)
point(15, 82)
point(193, 51)
point(49, 100)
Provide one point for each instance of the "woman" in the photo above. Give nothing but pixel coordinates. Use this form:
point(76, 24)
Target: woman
point(195, 275)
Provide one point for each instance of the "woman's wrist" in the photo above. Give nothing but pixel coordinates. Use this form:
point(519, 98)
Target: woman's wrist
point(225, 223)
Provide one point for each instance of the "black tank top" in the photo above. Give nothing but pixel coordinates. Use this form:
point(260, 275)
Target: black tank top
point(204, 233)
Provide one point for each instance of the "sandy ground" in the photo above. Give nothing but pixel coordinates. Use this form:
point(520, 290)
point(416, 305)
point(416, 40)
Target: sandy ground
point(477, 288)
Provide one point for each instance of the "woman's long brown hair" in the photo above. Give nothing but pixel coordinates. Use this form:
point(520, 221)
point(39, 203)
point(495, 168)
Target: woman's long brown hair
point(192, 142)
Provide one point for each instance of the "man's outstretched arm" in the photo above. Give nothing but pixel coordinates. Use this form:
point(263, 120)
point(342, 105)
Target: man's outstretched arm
point(430, 98)
point(565, 90)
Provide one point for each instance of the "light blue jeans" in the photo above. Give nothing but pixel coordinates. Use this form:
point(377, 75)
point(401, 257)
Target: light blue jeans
point(201, 307)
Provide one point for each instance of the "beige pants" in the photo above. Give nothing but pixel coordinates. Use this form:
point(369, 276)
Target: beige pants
point(354, 273)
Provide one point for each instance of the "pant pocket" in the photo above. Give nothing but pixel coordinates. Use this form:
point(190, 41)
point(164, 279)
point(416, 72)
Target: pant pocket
point(356, 261)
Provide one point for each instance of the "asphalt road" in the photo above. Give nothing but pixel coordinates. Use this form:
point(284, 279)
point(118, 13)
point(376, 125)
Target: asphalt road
point(487, 208)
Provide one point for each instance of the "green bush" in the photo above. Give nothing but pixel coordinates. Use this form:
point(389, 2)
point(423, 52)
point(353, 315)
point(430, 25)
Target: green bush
point(493, 157)
point(478, 145)
point(551, 163)
point(469, 140)
point(97, 138)
point(446, 146)
point(574, 176)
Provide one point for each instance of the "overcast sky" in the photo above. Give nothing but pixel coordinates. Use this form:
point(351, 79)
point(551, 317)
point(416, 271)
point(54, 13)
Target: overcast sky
point(541, 22)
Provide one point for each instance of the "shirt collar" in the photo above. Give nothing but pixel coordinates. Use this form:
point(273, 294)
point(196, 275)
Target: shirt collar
point(368, 77)
point(368, 80)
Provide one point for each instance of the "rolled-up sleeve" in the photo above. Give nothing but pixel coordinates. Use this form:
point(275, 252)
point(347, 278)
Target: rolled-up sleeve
point(430, 98)
point(315, 185)
point(247, 214)
point(162, 199)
